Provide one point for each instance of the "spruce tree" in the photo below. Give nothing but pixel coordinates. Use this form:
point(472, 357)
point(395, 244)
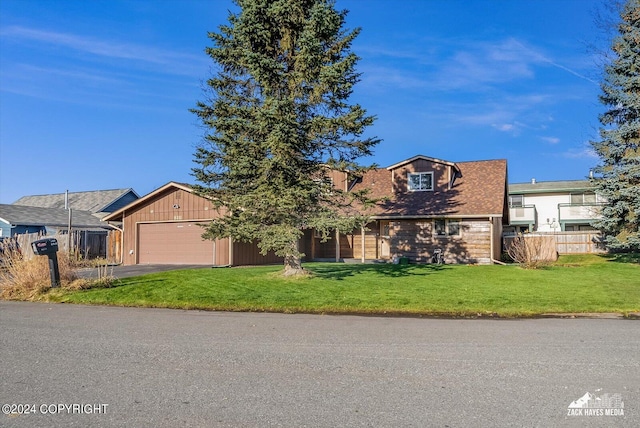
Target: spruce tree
point(277, 117)
point(619, 143)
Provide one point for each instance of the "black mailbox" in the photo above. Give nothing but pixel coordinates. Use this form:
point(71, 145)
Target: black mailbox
point(43, 247)
point(49, 247)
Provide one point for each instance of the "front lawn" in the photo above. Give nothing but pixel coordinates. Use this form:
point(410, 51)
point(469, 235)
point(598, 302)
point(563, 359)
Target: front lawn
point(573, 285)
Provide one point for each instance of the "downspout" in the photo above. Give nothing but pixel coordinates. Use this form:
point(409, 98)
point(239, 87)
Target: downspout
point(122, 240)
point(491, 238)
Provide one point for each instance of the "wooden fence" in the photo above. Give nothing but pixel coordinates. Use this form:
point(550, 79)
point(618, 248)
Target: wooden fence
point(86, 244)
point(578, 242)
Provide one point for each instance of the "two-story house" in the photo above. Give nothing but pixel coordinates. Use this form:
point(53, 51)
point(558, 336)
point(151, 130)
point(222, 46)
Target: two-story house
point(552, 206)
point(426, 204)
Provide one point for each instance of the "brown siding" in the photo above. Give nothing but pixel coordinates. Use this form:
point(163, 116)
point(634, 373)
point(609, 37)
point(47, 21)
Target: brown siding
point(414, 239)
point(338, 178)
point(354, 241)
point(246, 254)
point(441, 174)
point(189, 207)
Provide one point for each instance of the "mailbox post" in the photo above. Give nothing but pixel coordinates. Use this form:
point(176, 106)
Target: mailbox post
point(49, 247)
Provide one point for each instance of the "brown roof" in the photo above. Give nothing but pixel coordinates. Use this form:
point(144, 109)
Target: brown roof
point(480, 191)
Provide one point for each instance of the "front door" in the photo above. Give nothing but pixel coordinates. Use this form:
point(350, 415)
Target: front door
point(385, 247)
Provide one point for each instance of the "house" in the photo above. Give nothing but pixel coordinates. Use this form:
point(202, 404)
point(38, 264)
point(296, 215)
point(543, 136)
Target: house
point(98, 202)
point(553, 206)
point(20, 219)
point(164, 227)
point(47, 215)
point(427, 204)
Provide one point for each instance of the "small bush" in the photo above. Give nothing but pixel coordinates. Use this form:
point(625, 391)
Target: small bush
point(532, 251)
point(27, 279)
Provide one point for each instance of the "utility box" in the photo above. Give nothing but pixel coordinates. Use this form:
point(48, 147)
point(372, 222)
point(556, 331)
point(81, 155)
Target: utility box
point(49, 247)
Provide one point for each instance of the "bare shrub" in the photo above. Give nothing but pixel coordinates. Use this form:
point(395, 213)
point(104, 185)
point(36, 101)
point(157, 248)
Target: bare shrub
point(23, 278)
point(532, 251)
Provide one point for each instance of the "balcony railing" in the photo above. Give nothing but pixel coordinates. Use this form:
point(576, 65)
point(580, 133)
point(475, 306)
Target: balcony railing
point(525, 214)
point(573, 212)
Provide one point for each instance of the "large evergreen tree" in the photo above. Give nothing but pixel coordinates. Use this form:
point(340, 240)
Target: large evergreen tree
point(277, 118)
point(619, 143)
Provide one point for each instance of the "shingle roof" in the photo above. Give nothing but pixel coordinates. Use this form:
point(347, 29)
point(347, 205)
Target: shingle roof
point(93, 201)
point(480, 191)
point(38, 216)
point(550, 186)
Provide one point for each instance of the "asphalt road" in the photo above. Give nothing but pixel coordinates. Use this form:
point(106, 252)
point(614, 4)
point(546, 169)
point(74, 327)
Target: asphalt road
point(170, 368)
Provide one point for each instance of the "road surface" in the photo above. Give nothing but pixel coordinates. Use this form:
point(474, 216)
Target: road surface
point(168, 368)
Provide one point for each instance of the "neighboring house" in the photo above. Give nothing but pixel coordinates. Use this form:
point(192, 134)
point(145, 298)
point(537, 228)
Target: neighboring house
point(164, 227)
point(553, 206)
point(428, 204)
point(98, 202)
point(20, 219)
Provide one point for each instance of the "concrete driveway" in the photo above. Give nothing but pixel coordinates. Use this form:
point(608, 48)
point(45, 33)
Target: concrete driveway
point(134, 270)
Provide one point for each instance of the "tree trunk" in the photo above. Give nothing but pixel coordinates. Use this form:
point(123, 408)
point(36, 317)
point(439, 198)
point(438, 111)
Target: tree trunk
point(293, 265)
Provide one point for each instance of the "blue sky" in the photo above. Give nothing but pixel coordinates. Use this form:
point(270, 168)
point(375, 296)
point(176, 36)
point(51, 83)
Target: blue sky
point(96, 94)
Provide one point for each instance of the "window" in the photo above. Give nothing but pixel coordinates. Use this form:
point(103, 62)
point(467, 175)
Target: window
point(585, 198)
point(442, 227)
point(453, 227)
point(420, 181)
point(516, 200)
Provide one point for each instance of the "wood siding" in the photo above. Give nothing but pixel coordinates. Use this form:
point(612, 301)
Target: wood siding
point(247, 253)
point(441, 175)
point(415, 239)
point(179, 210)
point(172, 205)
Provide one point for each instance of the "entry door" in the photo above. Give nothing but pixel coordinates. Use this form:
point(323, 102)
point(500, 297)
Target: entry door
point(385, 247)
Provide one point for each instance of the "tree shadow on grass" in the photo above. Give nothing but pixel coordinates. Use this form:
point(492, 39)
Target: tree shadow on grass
point(622, 257)
point(341, 271)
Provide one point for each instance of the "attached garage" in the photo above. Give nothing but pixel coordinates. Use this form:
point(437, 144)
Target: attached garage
point(163, 228)
point(179, 243)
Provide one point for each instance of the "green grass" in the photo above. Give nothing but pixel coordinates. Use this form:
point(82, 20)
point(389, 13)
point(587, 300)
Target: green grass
point(576, 284)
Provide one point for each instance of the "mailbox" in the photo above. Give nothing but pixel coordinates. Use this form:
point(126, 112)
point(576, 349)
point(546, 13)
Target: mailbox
point(43, 247)
point(49, 247)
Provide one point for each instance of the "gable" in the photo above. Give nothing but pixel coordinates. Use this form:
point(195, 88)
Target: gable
point(441, 175)
point(173, 201)
point(479, 189)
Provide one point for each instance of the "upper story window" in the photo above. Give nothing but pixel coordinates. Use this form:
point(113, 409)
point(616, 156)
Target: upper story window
point(516, 200)
point(585, 198)
point(420, 181)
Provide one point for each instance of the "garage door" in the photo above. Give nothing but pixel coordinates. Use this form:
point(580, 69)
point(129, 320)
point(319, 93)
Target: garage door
point(173, 243)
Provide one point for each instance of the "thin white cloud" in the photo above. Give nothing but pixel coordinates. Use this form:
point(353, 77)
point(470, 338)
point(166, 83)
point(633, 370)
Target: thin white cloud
point(584, 152)
point(504, 127)
point(539, 57)
point(176, 61)
point(550, 140)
